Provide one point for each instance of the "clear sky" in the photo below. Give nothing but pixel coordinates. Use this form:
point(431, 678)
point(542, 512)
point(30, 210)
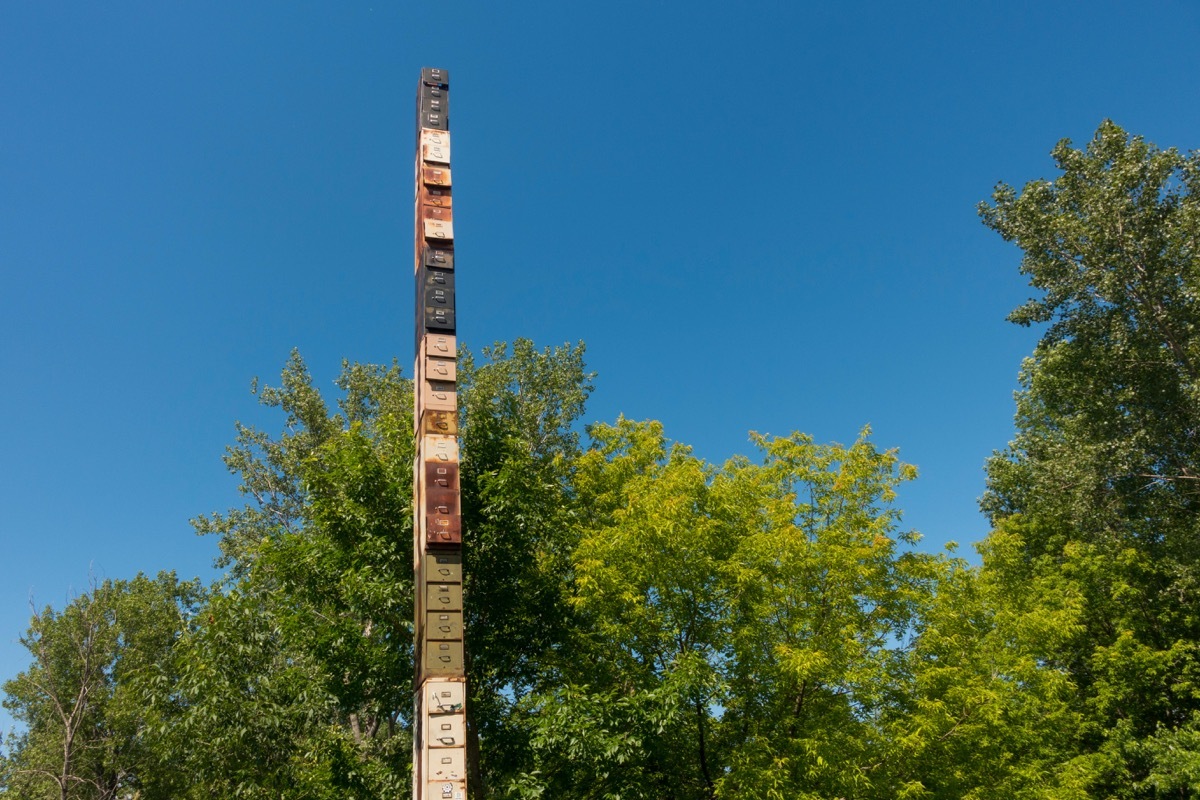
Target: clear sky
point(757, 215)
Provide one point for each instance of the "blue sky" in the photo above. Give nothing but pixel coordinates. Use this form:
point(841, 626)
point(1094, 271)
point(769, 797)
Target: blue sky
point(758, 216)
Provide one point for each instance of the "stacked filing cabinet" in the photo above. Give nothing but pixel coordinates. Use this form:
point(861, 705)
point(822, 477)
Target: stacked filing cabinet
point(439, 730)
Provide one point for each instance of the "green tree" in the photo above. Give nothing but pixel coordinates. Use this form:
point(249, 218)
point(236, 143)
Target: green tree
point(640, 623)
point(741, 630)
point(1103, 470)
point(829, 591)
point(987, 714)
point(297, 681)
point(89, 731)
point(630, 715)
point(519, 409)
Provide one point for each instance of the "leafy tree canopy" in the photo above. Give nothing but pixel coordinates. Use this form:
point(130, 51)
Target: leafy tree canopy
point(1102, 479)
point(642, 623)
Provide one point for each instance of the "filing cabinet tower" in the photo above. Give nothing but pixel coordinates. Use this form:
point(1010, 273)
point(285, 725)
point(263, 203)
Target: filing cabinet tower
point(439, 719)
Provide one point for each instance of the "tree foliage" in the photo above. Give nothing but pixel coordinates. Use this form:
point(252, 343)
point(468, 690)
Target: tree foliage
point(740, 626)
point(89, 732)
point(642, 623)
point(1102, 477)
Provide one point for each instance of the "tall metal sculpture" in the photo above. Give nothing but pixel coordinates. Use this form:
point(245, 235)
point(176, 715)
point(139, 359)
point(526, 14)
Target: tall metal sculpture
point(439, 721)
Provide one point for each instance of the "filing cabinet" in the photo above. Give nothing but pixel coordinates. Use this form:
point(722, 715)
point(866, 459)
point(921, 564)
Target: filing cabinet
point(439, 396)
point(437, 213)
point(433, 108)
point(437, 318)
point(441, 501)
point(445, 697)
point(437, 230)
point(437, 257)
point(441, 767)
point(446, 790)
point(443, 658)
point(440, 345)
point(440, 369)
point(440, 507)
point(440, 450)
point(436, 196)
point(435, 146)
point(437, 295)
point(446, 764)
point(445, 730)
point(434, 100)
point(442, 567)
point(435, 76)
point(438, 305)
point(443, 625)
point(440, 422)
point(431, 119)
point(435, 302)
point(441, 475)
point(436, 277)
point(435, 176)
point(443, 597)
point(442, 530)
point(435, 282)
